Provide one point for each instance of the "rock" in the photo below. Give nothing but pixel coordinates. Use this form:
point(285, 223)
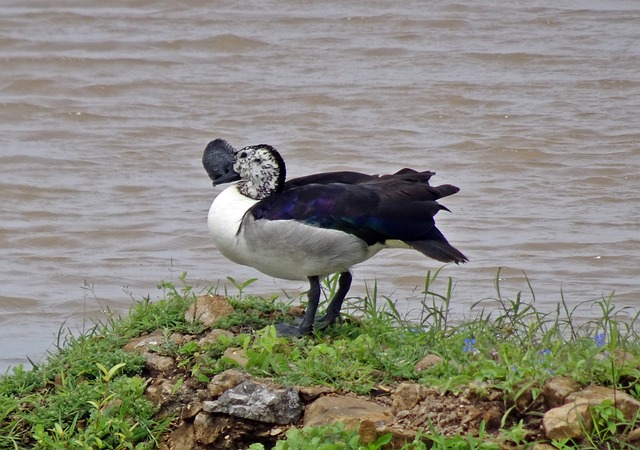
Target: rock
point(557, 389)
point(351, 411)
point(543, 446)
point(145, 343)
point(225, 381)
point(427, 362)
point(370, 431)
point(296, 311)
point(567, 421)
point(310, 393)
point(172, 397)
point(595, 395)
point(215, 431)
point(634, 437)
point(191, 410)
point(208, 309)
point(238, 355)
point(210, 431)
point(255, 401)
point(214, 336)
point(406, 396)
point(159, 363)
point(622, 358)
point(204, 428)
point(180, 339)
point(399, 436)
point(159, 391)
point(153, 391)
point(619, 358)
point(367, 431)
point(183, 438)
point(523, 398)
point(492, 416)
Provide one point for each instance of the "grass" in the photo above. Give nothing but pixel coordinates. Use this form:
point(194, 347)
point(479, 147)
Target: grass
point(89, 393)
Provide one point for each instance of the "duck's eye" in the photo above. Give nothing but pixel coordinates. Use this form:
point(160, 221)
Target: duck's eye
point(242, 155)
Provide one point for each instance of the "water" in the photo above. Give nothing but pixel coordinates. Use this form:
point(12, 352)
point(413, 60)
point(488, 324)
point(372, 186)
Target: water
point(529, 107)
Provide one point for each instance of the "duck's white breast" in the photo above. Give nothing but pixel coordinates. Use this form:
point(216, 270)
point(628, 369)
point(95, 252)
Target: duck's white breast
point(225, 216)
point(281, 248)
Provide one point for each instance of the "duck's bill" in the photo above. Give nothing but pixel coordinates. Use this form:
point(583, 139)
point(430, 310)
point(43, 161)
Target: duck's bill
point(225, 178)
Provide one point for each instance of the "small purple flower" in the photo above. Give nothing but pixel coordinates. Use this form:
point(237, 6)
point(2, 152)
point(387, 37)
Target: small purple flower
point(469, 345)
point(544, 357)
point(601, 339)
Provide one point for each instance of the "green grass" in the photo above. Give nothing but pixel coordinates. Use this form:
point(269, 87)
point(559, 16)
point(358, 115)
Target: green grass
point(89, 392)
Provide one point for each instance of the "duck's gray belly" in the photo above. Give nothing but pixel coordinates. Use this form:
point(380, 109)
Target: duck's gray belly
point(292, 250)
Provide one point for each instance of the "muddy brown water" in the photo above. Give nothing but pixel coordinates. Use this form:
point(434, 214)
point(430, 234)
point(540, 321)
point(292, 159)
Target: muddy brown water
point(529, 107)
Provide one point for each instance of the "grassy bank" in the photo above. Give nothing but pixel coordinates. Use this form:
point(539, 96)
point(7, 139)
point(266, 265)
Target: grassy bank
point(90, 392)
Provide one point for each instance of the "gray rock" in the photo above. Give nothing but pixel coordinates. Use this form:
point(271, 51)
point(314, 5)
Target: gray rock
point(255, 401)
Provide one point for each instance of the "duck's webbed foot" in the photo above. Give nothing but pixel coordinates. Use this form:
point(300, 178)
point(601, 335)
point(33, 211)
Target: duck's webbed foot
point(333, 310)
point(335, 305)
point(306, 326)
point(287, 330)
point(325, 322)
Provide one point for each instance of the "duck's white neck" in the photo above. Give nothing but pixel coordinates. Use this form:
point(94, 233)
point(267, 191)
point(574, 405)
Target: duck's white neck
point(225, 217)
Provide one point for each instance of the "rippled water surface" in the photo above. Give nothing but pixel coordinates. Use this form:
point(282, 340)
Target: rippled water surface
point(530, 108)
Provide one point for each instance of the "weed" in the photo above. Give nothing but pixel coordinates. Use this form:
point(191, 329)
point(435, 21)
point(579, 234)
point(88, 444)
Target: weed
point(240, 286)
point(327, 437)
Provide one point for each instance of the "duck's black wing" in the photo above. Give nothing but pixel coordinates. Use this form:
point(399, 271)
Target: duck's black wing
point(375, 209)
point(345, 177)
point(406, 176)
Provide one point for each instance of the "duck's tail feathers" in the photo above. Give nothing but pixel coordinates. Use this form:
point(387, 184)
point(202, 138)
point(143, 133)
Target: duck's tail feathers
point(444, 190)
point(438, 248)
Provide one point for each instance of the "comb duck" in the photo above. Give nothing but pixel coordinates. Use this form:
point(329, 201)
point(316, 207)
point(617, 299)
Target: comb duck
point(310, 227)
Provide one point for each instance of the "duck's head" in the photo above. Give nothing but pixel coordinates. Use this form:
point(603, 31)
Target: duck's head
point(217, 159)
point(261, 169)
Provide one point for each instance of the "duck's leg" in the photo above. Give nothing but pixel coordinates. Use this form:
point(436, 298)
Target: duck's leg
point(313, 296)
point(333, 310)
point(306, 327)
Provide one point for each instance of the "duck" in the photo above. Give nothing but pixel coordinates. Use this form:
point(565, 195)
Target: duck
point(311, 227)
